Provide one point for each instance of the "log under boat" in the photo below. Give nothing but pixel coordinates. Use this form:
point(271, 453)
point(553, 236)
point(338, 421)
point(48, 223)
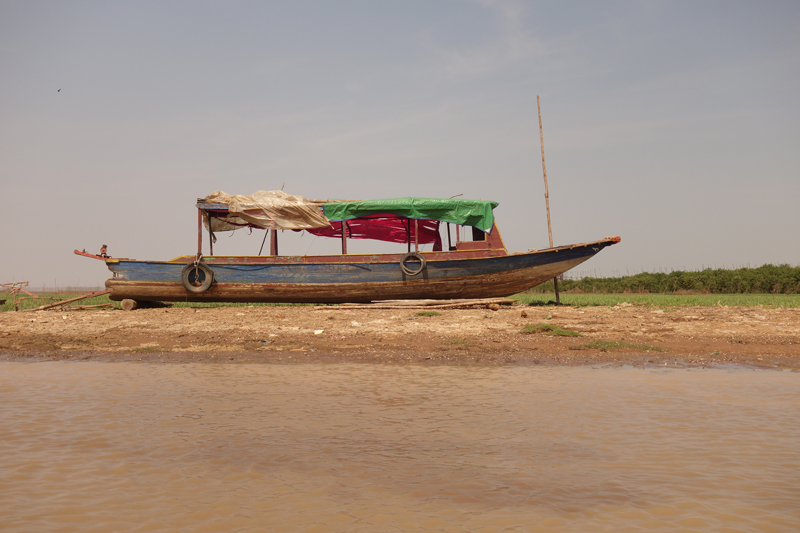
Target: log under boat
point(479, 267)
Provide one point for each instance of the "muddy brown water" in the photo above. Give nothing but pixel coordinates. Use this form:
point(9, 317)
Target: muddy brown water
point(368, 447)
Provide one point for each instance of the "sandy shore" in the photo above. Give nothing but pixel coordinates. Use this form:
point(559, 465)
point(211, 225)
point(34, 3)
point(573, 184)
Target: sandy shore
point(684, 336)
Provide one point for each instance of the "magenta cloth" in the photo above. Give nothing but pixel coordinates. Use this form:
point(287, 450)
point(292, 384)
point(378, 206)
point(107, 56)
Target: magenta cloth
point(385, 227)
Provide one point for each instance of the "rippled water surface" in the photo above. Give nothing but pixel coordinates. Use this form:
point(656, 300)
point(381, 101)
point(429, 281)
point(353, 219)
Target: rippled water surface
point(346, 447)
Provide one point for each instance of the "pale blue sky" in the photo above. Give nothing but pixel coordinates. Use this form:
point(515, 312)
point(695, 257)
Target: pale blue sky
point(673, 124)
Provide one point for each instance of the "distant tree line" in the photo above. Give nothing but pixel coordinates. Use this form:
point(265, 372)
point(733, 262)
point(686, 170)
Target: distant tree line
point(766, 279)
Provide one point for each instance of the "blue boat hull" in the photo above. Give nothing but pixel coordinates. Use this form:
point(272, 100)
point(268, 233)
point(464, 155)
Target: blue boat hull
point(379, 278)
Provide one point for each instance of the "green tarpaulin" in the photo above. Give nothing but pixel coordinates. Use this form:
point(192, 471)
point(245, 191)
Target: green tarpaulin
point(476, 213)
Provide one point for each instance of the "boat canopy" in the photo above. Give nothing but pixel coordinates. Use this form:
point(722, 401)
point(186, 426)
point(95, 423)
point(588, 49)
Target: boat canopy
point(477, 213)
point(263, 209)
point(385, 220)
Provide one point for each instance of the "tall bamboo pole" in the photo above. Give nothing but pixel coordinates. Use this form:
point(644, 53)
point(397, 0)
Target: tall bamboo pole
point(546, 192)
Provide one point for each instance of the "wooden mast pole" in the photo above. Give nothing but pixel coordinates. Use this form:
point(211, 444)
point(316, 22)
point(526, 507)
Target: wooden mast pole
point(546, 191)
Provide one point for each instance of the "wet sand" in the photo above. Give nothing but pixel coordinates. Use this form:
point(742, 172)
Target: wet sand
point(753, 336)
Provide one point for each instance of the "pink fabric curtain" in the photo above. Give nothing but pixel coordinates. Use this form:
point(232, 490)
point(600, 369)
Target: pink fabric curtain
point(385, 227)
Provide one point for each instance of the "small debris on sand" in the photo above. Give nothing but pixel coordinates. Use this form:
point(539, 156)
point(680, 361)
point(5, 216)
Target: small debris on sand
point(699, 336)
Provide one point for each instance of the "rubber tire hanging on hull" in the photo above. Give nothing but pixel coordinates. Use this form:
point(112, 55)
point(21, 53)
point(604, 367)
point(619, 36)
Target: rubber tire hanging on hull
point(412, 255)
point(197, 278)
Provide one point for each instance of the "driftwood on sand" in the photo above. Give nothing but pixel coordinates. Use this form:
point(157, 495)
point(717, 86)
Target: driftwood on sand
point(64, 302)
point(424, 304)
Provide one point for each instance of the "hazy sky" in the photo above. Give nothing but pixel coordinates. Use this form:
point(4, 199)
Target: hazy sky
point(675, 125)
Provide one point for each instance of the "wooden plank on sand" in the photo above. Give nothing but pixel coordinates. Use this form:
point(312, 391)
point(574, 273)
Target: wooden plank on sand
point(423, 304)
point(62, 302)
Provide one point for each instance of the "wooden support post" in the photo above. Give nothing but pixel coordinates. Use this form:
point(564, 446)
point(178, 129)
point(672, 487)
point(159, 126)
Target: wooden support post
point(449, 242)
point(344, 237)
point(273, 242)
point(546, 192)
point(266, 232)
point(199, 231)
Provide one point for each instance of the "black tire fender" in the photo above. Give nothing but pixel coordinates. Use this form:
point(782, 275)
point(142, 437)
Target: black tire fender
point(197, 277)
point(412, 255)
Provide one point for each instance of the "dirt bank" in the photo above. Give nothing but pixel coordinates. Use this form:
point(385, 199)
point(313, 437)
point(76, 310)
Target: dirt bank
point(687, 335)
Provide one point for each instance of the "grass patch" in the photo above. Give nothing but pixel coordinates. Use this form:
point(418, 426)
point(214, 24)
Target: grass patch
point(459, 342)
point(148, 349)
point(668, 302)
point(549, 329)
point(663, 300)
point(428, 313)
point(616, 345)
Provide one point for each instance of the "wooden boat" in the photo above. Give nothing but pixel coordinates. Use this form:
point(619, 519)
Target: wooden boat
point(476, 268)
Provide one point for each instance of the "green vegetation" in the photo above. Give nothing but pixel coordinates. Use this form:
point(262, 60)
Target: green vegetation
point(663, 300)
point(148, 349)
point(458, 342)
point(429, 313)
point(548, 329)
point(766, 279)
point(615, 345)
